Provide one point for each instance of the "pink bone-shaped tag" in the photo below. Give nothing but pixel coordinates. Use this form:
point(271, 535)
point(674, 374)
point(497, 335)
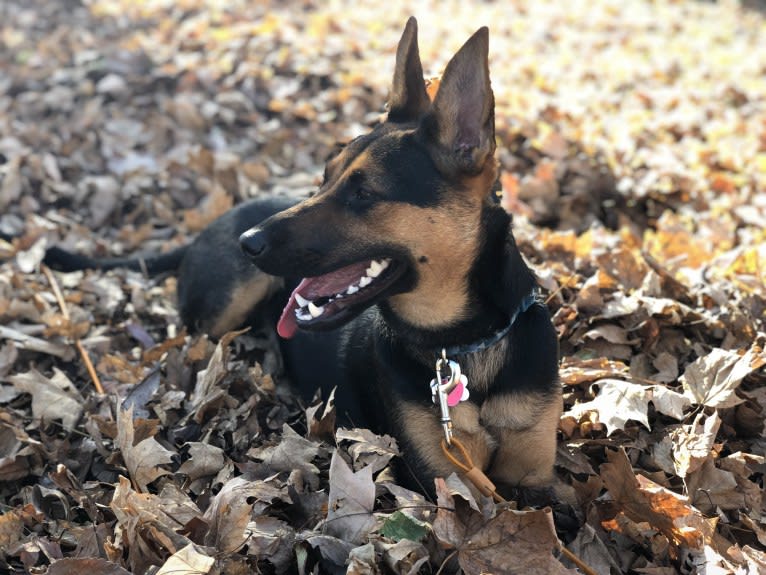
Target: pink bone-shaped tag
point(460, 393)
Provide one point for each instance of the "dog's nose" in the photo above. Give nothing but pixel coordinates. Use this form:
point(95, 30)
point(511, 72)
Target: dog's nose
point(253, 242)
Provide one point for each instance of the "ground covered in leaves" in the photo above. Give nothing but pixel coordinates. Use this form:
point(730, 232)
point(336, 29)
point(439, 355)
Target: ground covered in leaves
point(632, 138)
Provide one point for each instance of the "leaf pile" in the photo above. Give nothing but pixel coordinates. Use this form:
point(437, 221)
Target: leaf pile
point(632, 140)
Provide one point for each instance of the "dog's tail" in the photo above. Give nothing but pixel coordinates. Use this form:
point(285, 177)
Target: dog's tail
point(63, 260)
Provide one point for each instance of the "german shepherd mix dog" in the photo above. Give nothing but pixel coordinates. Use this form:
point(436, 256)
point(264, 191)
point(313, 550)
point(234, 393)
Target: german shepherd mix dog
point(405, 258)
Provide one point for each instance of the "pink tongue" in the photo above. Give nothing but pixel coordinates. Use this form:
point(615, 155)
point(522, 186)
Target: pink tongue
point(316, 287)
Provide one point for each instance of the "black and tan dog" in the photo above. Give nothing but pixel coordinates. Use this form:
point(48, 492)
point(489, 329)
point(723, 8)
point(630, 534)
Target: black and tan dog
point(403, 253)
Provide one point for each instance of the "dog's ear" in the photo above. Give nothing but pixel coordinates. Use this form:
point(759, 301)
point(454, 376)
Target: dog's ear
point(409, 99)
point(462, 121)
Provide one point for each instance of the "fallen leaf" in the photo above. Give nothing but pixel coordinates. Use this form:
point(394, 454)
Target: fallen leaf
point(144, 458)
point(511, 542)
point(643, 500)
point(53, 398)
point(352, 499)
point(229, 511)
point(398, 526)
point(617, 402)
point(187, 561)
point(91, 566)
point(692, 444)
point(713, 379)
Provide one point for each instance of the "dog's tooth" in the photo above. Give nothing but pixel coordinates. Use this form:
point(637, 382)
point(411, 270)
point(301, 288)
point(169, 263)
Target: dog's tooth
point(365, 281)
point(375, 268)
point(302, 301)
point(314, 310)
point(300, 313)
point(352, 290)
point(384, 263)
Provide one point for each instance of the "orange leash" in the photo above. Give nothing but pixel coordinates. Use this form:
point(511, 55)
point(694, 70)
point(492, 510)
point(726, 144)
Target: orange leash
point(487, 488)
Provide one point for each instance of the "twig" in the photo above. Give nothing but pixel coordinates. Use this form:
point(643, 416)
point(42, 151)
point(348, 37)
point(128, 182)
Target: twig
point(576, 560)
point(78, 344)
point(563, 285)
point(446, 560)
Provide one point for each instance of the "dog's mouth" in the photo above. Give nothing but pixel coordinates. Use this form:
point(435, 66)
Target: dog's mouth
point(327, 301)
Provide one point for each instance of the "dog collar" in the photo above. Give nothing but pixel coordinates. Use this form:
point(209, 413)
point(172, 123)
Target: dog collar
point(529, 300)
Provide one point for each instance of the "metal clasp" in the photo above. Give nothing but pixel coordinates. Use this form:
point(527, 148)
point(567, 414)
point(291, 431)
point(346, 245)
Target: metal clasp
point(441, 386)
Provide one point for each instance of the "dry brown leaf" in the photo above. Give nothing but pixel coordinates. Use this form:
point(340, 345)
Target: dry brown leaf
point(511, 542)
point(352, 499)
point(11, 529)
point(142, 459)
point(576, 371)
point(292, 452)
point(643, 500)
point(229, 512)
point(669, 402)
point(187, 561)
point(52, 398)
point(712, 380)
point(91, 566)
point(204, 459)
point(617, 402)
point(273, 539)
point(692, 444)
point(368, 449)
point(144, 529)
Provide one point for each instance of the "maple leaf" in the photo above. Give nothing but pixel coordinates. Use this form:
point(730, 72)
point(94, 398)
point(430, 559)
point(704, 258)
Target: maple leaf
point(352, 498)
point(617, 402)
point(513, 542)
point(644, 500)
point(713, 379)
point(292, 452)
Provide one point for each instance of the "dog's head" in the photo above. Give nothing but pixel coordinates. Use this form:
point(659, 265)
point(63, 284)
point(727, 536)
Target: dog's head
point(397, 216)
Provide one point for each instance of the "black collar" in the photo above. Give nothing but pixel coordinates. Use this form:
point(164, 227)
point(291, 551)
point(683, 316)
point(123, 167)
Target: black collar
point(529, 300)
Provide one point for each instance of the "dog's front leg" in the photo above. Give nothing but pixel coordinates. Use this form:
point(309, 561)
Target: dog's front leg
point(524, 427)
point(423, 435)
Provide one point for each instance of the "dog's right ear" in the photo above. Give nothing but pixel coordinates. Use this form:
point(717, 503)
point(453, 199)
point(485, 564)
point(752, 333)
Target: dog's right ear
point(409, 99)
point(461, 124)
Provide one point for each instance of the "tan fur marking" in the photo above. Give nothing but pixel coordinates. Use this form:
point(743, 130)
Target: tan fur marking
point(448, 237)
point(424, 432)
point(242, 300)
point(524, 427)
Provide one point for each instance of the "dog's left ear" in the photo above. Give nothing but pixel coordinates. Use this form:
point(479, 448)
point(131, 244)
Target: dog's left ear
point(462, 121)
point(409, 99)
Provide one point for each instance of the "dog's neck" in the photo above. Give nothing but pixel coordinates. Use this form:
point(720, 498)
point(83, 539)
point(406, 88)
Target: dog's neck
point(499, 285)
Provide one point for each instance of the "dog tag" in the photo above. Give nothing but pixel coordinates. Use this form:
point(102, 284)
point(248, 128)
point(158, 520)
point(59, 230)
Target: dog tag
point(460, 393)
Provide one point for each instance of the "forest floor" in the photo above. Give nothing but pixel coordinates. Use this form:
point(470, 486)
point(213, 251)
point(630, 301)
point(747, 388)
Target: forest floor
point(632, 139)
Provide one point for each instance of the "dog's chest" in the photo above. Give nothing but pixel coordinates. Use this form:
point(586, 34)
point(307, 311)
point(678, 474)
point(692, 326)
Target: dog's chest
point(482, 368)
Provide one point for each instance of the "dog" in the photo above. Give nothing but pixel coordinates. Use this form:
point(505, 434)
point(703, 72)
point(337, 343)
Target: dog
point(402, 259)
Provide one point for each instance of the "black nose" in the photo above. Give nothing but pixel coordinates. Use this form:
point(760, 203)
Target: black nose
point(253, 242)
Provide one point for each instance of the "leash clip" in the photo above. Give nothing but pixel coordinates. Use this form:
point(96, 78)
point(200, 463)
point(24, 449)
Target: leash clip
point(445, 392)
